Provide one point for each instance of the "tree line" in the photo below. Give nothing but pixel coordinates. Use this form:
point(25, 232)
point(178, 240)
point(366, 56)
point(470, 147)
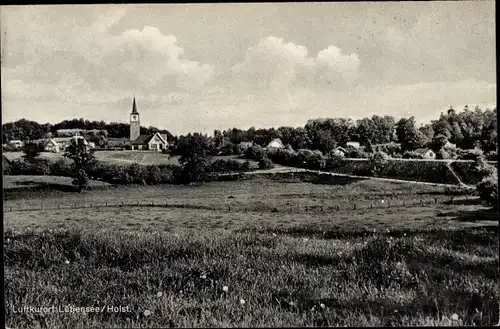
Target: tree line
point(31, 130)
point(467, 129)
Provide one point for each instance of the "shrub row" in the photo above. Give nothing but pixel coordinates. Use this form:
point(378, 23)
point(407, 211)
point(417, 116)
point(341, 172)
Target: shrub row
point(118, 174)
point(425, 171)
point(302, 158)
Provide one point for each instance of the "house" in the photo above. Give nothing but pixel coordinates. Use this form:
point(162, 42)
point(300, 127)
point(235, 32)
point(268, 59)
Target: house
point(16, 143)
point(51, 146)
point(355, 145)
point(155, 142)
point(340, 151)
point(63, 142)
point(426, 153)
point(275, 144)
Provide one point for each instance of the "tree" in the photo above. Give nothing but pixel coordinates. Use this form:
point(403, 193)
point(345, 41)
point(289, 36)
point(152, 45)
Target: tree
point(195, 158)
point(378, 161)
point(438, 142)
point(32, 150)
point(408, 135)
point(265, 163)
point(83, 158)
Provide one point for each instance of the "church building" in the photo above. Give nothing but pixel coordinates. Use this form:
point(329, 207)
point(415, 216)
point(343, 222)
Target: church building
point(152, 142)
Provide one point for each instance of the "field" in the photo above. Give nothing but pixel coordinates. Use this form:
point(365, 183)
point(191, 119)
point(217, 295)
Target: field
point(258, 258)
point(126, 157)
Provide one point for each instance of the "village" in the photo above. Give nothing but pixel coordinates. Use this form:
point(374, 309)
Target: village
point(159, 142)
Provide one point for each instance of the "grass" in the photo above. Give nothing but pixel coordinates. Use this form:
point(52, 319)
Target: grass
point(178, 278)
point(127, 157)
point(405, 266)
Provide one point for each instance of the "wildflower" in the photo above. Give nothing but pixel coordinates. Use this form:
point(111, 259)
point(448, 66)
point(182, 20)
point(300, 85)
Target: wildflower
point(7, 241)
point(313, 308)
point(242, 301)
point(225, 289)
point(322, 305)
point(454, 317)
point(127, 319)
point(306, 239)
point(66, 261)
point(291, 304)
point(404, 234)
point(147, 313)
point(275, 235)
point(374, 230)
point(203, 276)
point(382, 201)
point(159, 294)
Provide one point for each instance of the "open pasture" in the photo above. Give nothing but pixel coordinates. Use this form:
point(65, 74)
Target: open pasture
point(128, 157)
point(250, 266)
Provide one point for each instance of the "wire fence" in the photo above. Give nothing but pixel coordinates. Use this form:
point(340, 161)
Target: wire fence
point(288, 207)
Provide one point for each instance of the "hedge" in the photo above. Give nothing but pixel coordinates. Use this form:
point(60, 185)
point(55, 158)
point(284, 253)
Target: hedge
point(118, 174)
point(424, 171)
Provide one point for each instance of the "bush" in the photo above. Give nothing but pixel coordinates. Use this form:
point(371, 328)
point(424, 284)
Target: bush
point(61, 168)
point(255, 152)
point(412, 155)
point(488, 189)
point(265, 163)
point(315, 161)
point(469, 154)
point(335, 161)
point(378, 162)
point(81, 180)
point(392, 149)
point(442, 154)
point(33, 167)
point(355, 153)
point(492, 156)
point(229, 165)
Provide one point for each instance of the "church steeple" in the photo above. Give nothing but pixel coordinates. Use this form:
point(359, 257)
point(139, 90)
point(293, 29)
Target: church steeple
point(135, 126)
point(134, 107)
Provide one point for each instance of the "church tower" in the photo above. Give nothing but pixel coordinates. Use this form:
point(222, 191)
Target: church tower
point(135, 126)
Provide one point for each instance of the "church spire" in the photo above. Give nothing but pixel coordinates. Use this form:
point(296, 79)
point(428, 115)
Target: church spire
point(134, 107)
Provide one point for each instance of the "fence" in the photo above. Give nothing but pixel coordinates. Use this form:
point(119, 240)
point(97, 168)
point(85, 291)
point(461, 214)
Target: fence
point(366, 205)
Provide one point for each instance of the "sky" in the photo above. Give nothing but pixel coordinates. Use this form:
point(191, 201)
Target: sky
point(200, 67)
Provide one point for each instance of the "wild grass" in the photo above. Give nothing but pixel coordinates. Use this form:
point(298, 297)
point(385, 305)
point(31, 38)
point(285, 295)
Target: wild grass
point(167, 267)
point(178, 278)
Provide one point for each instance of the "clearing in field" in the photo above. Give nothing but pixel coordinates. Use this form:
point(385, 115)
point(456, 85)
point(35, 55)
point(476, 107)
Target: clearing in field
point(259, 252)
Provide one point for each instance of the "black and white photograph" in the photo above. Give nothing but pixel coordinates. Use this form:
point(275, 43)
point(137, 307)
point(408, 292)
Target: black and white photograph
point(280, 164)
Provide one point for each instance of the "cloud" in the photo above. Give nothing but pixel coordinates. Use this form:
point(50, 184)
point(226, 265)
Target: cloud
point(148, 59)
point(273, 64)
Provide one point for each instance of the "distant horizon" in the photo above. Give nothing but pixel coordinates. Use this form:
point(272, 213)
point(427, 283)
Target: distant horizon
point(490, 106)
point(201, 67)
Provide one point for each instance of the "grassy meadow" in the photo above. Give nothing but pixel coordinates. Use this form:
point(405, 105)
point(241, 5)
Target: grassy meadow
point(127, 157)
point(243, 263)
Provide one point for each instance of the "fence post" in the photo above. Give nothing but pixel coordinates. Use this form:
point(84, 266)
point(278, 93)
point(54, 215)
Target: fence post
point(58, 206)
point(354, 207)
